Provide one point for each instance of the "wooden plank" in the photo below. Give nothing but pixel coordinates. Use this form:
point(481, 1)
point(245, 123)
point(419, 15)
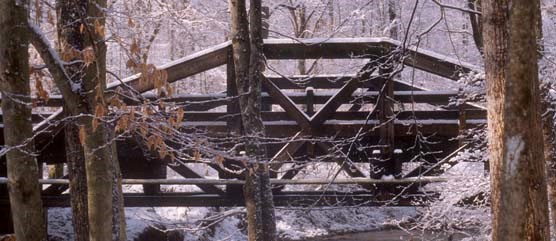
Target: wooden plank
point(186, 172)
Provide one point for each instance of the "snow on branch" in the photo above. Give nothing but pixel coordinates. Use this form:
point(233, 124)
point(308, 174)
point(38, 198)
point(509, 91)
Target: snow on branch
point(52, 60)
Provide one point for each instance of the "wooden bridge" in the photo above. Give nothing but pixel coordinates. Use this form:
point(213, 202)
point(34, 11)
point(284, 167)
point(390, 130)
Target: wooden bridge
point(312, 119)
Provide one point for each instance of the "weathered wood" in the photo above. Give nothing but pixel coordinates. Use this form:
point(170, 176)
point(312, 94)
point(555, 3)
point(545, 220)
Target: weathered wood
point(333, 103)
point(289, 106)
point(286, 152)
point(310, 101)
point(425, 169)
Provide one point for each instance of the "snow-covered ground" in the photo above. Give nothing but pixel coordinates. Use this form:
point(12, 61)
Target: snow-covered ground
point(291, 224)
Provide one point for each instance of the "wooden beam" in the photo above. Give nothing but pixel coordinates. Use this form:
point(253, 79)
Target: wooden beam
point(55, 189)
point(337, 48)
point(331, 82)
point(178, 69)
point(331, 48)
point(287, 151)
point(182, 68)
point(186, 172)
point(287, 104)
point(343, 160)
point(333, 103)
point(341, 115)
point(425, 169)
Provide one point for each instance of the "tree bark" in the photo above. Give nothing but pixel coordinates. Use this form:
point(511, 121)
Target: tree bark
point(248, 63)
point(69, 36)
point(548, 126)
point(518, 184)
point(82, 85)
point(23, 175)
point(78, 183)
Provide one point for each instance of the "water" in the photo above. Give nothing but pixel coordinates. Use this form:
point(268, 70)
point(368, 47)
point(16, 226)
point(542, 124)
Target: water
point(392, 235)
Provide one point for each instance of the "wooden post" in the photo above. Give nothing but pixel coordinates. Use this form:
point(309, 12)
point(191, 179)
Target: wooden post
point(6, 223)
point(310, 100)
point(462, 122)
point(386, 164)
point(233, 123)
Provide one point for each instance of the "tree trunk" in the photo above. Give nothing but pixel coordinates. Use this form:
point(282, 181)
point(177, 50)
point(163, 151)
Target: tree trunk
point(548, 126)
point(82, 84)
point(78, 183)
point(69, 36)
point(392, 16)
point(518, 184)
point(24, 188)
point(247, 51)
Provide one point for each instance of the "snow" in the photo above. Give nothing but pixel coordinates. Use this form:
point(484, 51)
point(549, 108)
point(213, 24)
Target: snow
point(513, 154)
point(387, 177)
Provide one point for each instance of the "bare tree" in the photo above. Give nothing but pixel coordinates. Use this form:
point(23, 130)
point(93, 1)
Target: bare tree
point(518, 179)
point(23, 172)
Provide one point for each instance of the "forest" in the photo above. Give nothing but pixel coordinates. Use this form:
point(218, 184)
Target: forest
point(292, 120)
